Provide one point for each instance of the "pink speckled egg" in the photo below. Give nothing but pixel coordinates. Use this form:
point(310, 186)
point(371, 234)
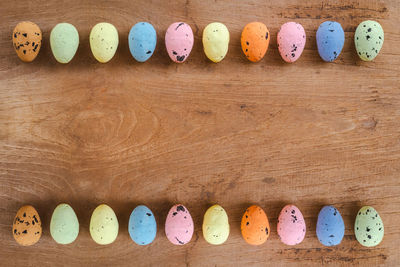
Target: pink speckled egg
point(179, 41)
point(179, 225)
point(291, 41)
point(291, 225)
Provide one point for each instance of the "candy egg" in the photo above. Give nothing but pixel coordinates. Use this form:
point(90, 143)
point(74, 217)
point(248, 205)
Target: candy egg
point(142, 226)
point(330, 40)
point(368, 39)
point(64, 225)
point(255, 226)
point(179, 225)
point(142, 41)
point(255, 40)
point(27, 40)
point(64, 41)
point(368, 227)
point(291, 225)
point(27, 227)
point(215, 225)
point(103, 225)
point(103, 41)
point(330, 226)
point(179, 41)
point(291, 41)
point(216, 41)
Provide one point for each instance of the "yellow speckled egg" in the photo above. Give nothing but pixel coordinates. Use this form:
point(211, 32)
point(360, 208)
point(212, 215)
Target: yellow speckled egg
point(215, 225)
point(27, 227)
point(27, 40)
point(216, 41)
point(103, 41)
point(103, 225)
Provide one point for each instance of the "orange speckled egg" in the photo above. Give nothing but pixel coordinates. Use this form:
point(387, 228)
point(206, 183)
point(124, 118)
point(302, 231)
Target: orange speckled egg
point(255, 226)
point(27, 40)
point(255, 40)
point(27, 227)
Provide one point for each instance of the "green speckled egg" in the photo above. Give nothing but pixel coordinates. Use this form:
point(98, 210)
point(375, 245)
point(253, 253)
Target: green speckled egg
point(103, 41)
point(103, 225)
point(64, 225)
point(368, 227)
point(368, 39)
point(64, 41)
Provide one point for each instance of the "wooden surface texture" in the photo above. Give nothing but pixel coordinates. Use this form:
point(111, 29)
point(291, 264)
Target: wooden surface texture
point(234, 133)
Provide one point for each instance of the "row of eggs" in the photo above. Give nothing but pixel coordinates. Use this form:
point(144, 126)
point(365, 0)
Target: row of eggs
point(142, 39)
point(179, 227)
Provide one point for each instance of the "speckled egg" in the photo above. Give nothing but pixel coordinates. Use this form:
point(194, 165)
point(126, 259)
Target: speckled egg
point(368, 39)
point(291, 226)
point(368, 227)
point(64, 225)
point(215, 225)
point(103, 225)
point(330, 226)
point(179, 41)
point(27, 227)
point(142, 41)
point(216, 41)
point(291, 41)
point(64, 41)
point(255, 40)
point(330, 40)
point(27, 40)
point(142, 226)
point(255, 226)
point(103, 41)
point(179, 225)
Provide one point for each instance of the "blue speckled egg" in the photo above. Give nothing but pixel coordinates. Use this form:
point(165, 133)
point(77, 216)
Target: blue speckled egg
point(330, 40)
point(142, 41)
point(330, 226)
point(142, 225)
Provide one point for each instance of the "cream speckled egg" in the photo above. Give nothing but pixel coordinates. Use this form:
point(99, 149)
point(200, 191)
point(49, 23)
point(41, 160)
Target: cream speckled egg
point(103, 225)
point(103, 41)
point(216, 41)
point(215, 225)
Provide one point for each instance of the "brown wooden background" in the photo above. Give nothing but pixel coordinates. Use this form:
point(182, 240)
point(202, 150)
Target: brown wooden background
point(234, 133)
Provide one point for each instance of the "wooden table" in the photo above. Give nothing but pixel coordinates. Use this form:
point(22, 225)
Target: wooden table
point(234, 133)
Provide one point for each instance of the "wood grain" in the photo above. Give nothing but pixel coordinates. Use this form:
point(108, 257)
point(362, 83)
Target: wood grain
point(234, 133)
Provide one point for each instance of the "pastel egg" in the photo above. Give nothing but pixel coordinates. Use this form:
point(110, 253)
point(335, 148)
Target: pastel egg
point(255, 226)
point(255, 40)
point(64, 225)
point(291, 41)
point(368, 227)
point(330, 226)
point(103, 41)
point(215, 225)
point(103, 225)
point(142, 41)
point(179, 41)
point(330, 40)
point(179, 225)
point(142, 225)
point(27, 40)
point(64, 41)
point(216, 41)
point(27, 227)
point(291, 225)
point(368, 38)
